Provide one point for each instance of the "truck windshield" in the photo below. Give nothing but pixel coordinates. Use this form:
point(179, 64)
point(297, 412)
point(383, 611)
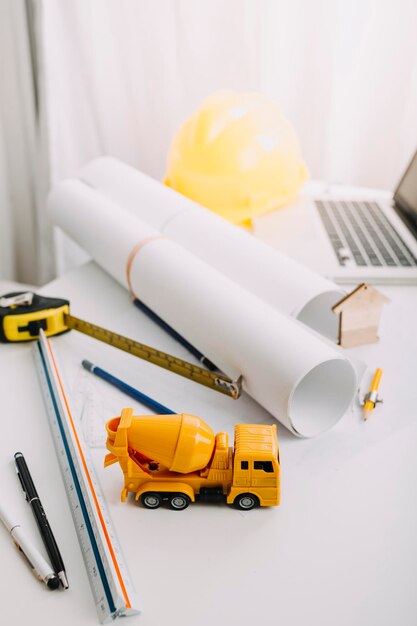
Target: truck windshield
point(266, 466)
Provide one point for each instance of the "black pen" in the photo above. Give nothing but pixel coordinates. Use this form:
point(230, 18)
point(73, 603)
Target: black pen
point(36, 505)
point(173, 333)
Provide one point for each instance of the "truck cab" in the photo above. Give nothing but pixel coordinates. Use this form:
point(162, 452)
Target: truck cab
point(256, 467)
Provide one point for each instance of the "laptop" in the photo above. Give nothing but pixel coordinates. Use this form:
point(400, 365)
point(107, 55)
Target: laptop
point(350, 238)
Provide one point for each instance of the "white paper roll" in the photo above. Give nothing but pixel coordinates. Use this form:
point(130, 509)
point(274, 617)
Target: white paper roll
point(284, 283)
point(303, 381)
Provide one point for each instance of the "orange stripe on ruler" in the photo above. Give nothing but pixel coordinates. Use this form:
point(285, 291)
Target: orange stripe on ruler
point(103, 525)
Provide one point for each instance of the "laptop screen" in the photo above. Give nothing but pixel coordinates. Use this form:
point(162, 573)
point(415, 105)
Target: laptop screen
point(405, 195)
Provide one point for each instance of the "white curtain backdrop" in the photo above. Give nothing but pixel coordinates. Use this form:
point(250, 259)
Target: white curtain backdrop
point(345, 71)
point(22, 170)
point(120, 76)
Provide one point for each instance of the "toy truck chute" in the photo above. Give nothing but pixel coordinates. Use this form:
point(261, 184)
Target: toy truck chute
point(178, 459)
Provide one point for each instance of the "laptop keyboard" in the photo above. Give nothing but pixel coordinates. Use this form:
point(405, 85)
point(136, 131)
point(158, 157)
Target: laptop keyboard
point(360, 232)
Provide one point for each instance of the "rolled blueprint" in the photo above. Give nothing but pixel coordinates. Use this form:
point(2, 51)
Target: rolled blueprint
point(285, 284)
point(301, 379)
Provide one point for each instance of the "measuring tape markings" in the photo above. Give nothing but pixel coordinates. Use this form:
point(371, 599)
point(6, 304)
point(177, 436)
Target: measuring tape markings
point(22, 318)
point(220, 383)
point(103, 523)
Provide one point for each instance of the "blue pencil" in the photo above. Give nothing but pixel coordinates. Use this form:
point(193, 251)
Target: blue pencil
point(173, 333)
point(130, 391)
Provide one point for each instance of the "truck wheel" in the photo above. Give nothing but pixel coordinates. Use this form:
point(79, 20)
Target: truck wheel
point(151, 499)
point(246, 501)
point(178, 501)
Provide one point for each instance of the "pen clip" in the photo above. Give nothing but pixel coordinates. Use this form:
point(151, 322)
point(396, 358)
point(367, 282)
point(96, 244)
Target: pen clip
point(373, 396)
point(27, 559)
point(23, 486)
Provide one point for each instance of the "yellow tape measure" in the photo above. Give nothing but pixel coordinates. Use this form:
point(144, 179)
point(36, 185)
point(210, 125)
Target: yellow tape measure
point(23, 315)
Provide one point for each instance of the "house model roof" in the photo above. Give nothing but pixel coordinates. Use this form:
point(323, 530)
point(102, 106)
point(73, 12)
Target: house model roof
point(362, 296)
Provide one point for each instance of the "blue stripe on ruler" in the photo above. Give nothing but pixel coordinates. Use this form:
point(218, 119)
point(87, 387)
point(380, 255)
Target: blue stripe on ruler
point(100, 566)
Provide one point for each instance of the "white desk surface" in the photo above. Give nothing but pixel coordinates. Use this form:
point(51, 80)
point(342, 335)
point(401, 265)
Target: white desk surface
point(341, 550)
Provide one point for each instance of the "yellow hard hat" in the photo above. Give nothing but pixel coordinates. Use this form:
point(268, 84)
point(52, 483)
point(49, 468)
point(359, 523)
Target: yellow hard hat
point(237, 155)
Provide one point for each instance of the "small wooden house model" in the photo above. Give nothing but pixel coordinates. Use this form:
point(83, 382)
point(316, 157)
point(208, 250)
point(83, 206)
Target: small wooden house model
point(360, 313)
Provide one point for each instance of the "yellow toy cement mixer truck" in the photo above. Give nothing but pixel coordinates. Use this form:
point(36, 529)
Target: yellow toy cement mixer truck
point(177, 459)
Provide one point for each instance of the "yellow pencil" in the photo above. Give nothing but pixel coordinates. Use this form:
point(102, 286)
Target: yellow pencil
point(372, 396)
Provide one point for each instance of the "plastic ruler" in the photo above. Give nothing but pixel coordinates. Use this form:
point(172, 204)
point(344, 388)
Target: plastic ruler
point(110, 582)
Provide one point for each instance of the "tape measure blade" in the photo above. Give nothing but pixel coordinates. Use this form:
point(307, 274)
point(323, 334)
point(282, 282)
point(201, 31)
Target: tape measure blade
point(214, 380)
point(112, 590)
